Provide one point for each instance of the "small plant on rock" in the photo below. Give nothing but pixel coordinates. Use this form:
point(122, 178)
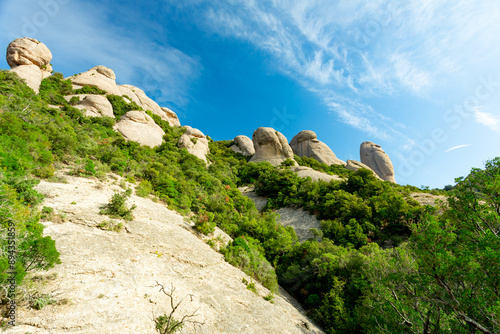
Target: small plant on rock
point(116, 208)
point(167, 324)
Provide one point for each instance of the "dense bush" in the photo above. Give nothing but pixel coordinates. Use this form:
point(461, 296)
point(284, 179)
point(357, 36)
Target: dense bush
point(120, 106)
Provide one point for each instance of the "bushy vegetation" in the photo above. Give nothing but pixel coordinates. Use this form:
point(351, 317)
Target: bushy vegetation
point(381, 262)
point(117, 208)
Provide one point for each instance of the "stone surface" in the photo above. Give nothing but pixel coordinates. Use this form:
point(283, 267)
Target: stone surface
point(374, 157)
point(146, 103)
point(137, 126)
point(300, 220)
point(95, 105)
point(100, 77)
point(172, 118)
point(270, 145)
point(195, 142)
point(355, 165)
point(306, 144)
point(305, 172)
point(104, 78)
point(31, 74)
point(29, 51)
point(105, 283)
point(243, 145)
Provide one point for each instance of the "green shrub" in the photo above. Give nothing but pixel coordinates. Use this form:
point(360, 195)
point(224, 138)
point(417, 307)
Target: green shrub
point(74, 101)
point(90, 90)
point(144, 188)
point(245, 254)
point(204, 222)
point(54, 88)
point(116, 208)
point(120, 106)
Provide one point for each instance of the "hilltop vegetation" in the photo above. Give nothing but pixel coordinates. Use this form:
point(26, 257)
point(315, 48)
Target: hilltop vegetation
point(441, 274)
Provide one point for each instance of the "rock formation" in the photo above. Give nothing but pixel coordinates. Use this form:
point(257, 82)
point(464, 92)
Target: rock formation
point(172, 118)
point(30, 59)
point(105, 276)
point(355, 165)
point(305, 172)
point(306, 144)
point(270, 145)
point(243, 145)
point(31, 75)
point(104, 78)
point(373, 156)
point(195, 142)
point(137, 126)
point(146, 103)
point(95, 105)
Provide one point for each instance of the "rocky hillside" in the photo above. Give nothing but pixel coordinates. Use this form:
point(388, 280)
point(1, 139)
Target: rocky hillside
point(230, 225)
point(106, 281)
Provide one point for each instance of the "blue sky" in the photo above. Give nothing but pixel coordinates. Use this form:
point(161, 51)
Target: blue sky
point(419, 77)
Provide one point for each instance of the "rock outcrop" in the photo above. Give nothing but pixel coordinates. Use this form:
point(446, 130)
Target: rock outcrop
point(30, 59)
point(106, 276)
point(172, 118)
point(305, 172)
point(270, 145)
point(31, 75)
point(104, 78)
point(195, 142)
point(95, 105)
point(355, 165)
point(145, 102)
point(243, 145)
point(374, 157)
point(29, 51)
point(138, 126)
point(306, 144)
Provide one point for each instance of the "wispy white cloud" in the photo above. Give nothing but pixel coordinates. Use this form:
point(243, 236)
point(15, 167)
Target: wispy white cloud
point(457, 147)
point(363, 49)
point(487, 119)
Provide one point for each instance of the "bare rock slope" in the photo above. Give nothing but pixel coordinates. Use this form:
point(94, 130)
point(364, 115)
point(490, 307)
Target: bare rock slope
point(106, 281)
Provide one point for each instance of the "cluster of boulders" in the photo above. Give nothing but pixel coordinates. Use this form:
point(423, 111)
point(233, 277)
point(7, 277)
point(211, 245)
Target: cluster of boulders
point(272, 146)
point(30, 59)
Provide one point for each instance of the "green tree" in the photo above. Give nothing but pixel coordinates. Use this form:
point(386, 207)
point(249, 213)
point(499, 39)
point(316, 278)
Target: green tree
point(446, 279)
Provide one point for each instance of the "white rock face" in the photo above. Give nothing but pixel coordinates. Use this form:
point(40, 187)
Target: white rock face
point(243, 145)
point(100, 77)
point(306, 144)
point(29, 51)
point(305, 172)
point(270, 145)
point(104, 78)
point(195, 142)
point(172, 118)
point(137, 126)
point(95, 105)
point(374, 156)
point(355, 165)
point(31, 74)
point(145, 102)
point(105, 277)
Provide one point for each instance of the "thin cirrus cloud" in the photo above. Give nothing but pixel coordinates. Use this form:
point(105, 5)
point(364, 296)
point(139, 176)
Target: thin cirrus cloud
point(457, 147)
point(365, 49)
